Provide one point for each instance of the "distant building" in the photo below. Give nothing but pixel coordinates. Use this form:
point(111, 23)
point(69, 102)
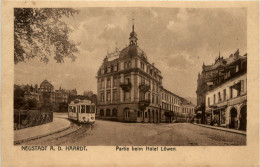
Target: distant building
point(170, 105)
point(31, 95)
point(188, 109)
point(47, 87)
point(72, 92)
point(225, 91)
point(61, 96)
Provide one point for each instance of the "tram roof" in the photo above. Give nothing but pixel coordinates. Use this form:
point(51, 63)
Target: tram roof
point(76, 101)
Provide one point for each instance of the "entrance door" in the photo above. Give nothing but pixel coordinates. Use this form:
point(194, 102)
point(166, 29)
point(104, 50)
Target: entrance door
point(126, 114)
point(233, 115)
point(243, 118)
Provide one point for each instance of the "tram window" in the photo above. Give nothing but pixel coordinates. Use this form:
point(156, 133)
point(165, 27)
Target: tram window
point(88, 109)
point(83, 109)
point(92, 109)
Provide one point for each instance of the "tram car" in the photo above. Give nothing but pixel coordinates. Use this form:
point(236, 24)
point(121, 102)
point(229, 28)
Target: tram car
point(82, 111)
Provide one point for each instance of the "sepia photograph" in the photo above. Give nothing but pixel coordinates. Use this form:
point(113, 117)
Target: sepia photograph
point(130, 76)
point(134, 77)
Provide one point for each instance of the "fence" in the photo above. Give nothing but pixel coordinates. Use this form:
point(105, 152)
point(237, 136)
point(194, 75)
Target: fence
point(29, 118)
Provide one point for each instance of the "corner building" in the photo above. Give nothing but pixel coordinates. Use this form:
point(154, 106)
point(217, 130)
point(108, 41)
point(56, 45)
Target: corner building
point(129, 86)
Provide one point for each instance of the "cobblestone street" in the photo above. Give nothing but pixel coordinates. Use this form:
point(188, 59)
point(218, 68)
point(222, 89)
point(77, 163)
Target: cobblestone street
point(107, 133)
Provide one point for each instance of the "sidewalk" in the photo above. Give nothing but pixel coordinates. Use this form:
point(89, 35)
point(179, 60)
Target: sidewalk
point(35, 132)
point(223, 129)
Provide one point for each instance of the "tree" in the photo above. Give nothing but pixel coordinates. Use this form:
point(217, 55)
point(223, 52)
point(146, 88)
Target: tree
point(42, 32)
point(18, 97)
point(88, 93)
point(32, 103)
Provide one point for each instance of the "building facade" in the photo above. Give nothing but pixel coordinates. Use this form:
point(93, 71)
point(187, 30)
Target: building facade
point(129, 88)
point(46, 88)
point(226, 93)
point(171, 105)
point(61, 96)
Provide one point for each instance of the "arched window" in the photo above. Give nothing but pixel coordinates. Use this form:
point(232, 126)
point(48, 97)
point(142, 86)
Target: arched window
point(108, 112)
point(114, 112)
point(101, 112)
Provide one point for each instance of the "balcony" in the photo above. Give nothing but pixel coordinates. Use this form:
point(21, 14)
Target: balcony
point(144, 87)
point(126, 86)
point(143, 104)
point(237, 100)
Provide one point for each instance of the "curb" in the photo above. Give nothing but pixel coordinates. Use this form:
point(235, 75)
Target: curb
point(40, 136)
point(225, 130)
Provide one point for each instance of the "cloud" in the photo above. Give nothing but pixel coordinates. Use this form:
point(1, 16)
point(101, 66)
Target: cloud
point(178, 40)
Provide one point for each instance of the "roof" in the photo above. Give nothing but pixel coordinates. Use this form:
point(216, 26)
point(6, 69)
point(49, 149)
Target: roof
point(132, 51)
point(221, 62)
point(45, 82)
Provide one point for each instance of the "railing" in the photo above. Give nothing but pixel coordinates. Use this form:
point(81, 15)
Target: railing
point(237, 100)
point(126, 86)
point(144, 87)
point(144, 103)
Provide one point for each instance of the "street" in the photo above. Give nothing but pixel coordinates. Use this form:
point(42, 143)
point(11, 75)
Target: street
point(108, 133)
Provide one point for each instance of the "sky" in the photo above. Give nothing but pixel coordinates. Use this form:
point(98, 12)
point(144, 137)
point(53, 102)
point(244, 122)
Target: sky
point(176, 40)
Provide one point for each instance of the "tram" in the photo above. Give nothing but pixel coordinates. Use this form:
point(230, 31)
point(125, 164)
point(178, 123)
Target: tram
point(82, 111)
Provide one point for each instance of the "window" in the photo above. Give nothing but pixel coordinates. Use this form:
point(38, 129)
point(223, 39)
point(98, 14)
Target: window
point(83, 109)
point(142, 80)
point(114, 112)
point(114, 95)
point(151, 71)
point(139, 114)
point(142, 65)
point(242, 85)
point(108, 69)
point(87, 109)
point(108, 112)
point(145, 114)
point(127, 80)
point(101, 112)
point(237, 68)
point(231, 92)
point(108, 96)
point(224, 94)
point(127, 95)
point(214, 99)
point(108, 83)
point(93, 109)
point(102, 83)
point(219, 97)
point(102, 97)
point(114, 82)
point(208, 101)
point(127, 65)
point(152, 98)
point(115, 67)
point(112, 68)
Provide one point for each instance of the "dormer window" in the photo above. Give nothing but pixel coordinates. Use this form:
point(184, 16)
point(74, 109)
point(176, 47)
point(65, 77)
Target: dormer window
point(142, 65)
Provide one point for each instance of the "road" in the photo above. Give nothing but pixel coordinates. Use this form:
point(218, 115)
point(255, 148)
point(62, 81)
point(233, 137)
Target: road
point(108, 133)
